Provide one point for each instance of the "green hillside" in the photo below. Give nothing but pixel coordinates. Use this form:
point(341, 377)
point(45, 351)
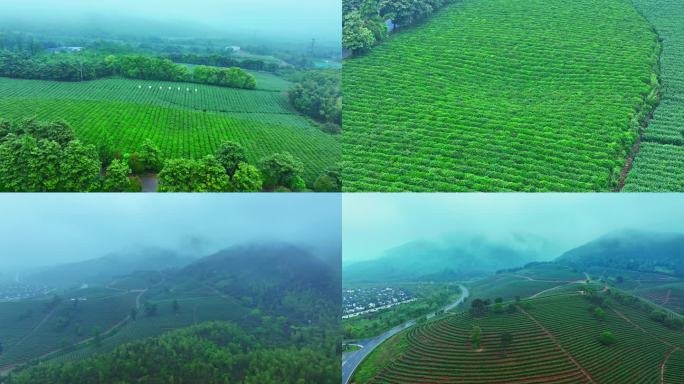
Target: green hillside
point(187, 120)
point(551, 339)
point(501, 95)
point(659, 166)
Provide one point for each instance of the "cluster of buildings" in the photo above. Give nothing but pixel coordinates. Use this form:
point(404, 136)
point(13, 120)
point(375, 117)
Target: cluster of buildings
point(358, 301)
point(20, 291)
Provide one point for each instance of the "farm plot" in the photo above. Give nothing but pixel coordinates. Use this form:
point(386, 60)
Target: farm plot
point(554, 340)
point(659, 166)
point(183, 123)
point(538, 95)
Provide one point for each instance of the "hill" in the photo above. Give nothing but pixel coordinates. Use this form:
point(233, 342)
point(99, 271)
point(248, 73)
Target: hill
point(631, 250)
point(501, 96)
point(456, 259)
point(182, 123)
point(103, 269)
point(279, 293)
point(559, 338)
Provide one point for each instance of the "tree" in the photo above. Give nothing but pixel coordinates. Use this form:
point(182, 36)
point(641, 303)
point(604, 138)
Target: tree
point(247, 178)
point(282, 170)
point(606, 338)
point(117, 177)
point(80, 168)
point(356, 37)
point(187, 175)
point(105, 151)
point(511, 308)
point(658, 315)
point(329, 181)
point(506, 341)
point(475, 336)
point(134, 314)
point(150, 309)
point(151, 157)
point(231, 155)
point(674, 323)
point(175, 306)
point(600, 314)
point(478, 308)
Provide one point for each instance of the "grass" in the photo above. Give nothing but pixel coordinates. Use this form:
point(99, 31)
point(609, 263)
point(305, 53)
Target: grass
point(659, 166)
point(182, 123)
point(501, 95)
point(554, 340)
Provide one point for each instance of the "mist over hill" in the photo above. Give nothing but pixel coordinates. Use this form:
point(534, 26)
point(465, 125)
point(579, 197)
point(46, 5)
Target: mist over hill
point(632, 250)
point(452, 259)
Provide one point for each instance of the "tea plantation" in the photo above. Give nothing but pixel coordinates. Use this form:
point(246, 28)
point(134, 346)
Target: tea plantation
point(659, 166)
point(501, 95)
point(183, 120)
point(551, 339)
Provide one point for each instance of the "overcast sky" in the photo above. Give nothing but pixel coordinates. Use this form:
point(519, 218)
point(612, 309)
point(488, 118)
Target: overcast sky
point(373, 223)
point(299, 19)
point(47, 229)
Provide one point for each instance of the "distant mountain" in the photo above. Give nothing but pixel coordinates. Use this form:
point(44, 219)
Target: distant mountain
point(457, 258)
point(103, 269)
point(280, 278)
point(632, 250)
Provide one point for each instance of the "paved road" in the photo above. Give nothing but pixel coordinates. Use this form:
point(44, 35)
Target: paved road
point(352, 360)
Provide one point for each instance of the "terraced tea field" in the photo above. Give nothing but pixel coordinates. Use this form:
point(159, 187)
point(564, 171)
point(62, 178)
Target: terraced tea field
point(184, 120)
point(659, 166)
point(501, 95)
point(554, 340)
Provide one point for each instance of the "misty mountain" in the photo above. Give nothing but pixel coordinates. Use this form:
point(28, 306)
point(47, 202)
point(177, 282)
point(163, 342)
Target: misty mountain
point(274, 277)
point(632, 250)
point(103, 269)
point(451, 260)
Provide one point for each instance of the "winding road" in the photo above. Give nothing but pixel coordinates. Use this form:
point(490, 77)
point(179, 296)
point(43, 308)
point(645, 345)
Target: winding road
point(352, 360)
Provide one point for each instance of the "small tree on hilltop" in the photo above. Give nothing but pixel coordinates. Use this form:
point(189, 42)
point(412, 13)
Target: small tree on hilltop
point(475, 337)
point(607, 338)
point(478, 308)
point(247, 178)
point(600, 314)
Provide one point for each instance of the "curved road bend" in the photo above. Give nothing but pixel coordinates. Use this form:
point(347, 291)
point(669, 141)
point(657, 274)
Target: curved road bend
point(352, 360)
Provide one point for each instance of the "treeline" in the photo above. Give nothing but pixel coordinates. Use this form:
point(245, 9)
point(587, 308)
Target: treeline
point(210, 353)
point(217, 60)
point(47, 157)
point(365, 22)
point(83, 67)
point(319, 95)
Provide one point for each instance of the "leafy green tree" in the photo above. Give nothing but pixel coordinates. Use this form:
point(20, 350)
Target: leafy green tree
point(356, 36)
point(247, 178)
point(674, 323)
point(187, 175)
point(600, 314)
point(329, 181)
point(175, 307)
point(117, 177)
point(230, 155)
point(134, 314)
point(478, 308)
point(151, 157)
point(607, 338)
point(105, 150)
point(80, 168)
point(282, 170)
point(475, 336)
point(97, 337)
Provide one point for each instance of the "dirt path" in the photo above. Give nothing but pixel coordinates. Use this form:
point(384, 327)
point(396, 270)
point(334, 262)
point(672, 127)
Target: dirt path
point(36, 327)
point(556, 287)
point(539, 280)
point(555, 341)
point(662, 366)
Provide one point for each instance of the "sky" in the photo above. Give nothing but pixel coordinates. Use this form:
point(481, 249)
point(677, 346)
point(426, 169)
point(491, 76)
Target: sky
point(299, 19)
point(374, 223)
point(49, 229)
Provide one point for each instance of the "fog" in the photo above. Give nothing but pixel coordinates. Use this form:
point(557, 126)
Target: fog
point(374, 223)
point(265, 19)
point(48, 229)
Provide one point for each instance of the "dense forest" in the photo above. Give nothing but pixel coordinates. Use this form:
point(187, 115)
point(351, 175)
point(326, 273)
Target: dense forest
point(319, 95)
point(47, 157)
point(213, 352)
point(368, 22)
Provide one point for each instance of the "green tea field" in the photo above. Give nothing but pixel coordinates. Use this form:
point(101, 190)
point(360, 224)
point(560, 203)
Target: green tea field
point(503, 95)
point(554, 339)
point(659, 166)
point(184, 120)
